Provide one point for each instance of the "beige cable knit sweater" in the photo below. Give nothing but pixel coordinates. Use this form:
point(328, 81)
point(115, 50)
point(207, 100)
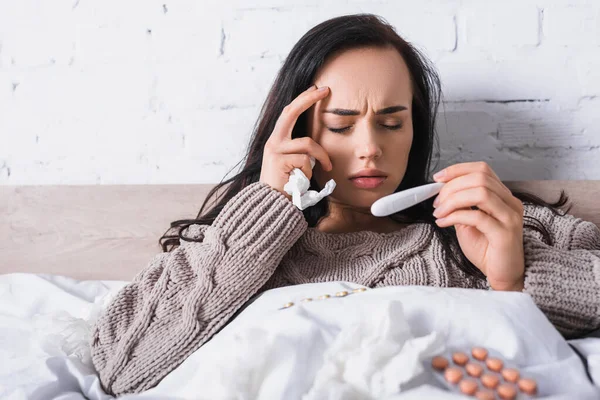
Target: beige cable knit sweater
point(261, 241)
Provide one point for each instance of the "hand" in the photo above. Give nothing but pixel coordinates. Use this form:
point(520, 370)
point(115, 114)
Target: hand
point(282, 153)
point(491, 237)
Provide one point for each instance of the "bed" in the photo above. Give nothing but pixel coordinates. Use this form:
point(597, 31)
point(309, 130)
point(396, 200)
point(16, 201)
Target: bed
point(65, 250)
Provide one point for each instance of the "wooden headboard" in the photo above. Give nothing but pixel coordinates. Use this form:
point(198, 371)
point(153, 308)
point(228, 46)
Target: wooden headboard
point(111, 232)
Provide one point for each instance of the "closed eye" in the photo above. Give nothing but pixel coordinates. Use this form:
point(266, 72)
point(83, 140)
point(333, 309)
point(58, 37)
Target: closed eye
point(389, 127)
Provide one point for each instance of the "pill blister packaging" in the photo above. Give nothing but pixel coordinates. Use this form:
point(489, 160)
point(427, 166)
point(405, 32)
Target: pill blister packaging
point(483, 374)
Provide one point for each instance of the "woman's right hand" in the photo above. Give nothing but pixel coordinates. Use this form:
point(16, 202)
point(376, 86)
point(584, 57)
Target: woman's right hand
point(282, 153)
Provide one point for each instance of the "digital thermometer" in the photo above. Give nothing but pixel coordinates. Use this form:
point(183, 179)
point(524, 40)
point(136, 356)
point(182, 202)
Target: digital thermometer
point(402, 200)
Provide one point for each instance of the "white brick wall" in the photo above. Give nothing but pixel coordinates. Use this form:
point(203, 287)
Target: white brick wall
point(146, 91)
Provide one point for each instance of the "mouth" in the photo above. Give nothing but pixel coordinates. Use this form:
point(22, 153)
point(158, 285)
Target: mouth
point(367, 182)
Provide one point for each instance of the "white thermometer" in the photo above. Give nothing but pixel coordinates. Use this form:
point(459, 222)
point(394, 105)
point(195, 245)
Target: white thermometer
point(402, 200)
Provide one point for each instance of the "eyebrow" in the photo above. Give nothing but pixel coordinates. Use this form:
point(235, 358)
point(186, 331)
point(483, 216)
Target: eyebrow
point(344, 112)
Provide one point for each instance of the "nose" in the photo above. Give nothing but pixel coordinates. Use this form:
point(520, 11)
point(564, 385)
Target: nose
point(366, 146)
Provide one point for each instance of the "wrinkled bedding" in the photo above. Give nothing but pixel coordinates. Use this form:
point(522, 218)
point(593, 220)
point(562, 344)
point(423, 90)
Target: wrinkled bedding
point(374, 344)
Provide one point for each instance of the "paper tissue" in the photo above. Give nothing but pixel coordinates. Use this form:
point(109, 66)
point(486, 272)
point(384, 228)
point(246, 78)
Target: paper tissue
point(298, 185)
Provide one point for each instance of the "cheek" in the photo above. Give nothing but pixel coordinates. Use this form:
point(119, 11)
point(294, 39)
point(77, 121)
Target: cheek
point(332, 144)
point(335, 148)
point(404, 141)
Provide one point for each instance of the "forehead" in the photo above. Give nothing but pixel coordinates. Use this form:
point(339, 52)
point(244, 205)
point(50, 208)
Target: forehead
point(372, 74)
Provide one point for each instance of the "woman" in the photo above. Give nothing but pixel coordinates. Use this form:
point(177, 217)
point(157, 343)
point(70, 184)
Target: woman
point(362, 102)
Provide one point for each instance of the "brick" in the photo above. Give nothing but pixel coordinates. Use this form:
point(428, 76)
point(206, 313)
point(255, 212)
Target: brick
point(110, 45)
point(524, 75)
point(587, 65)
point(134, 14)
point(430, 28)
point(214, 84)
point(282, 4)
point(572, 26)
point(261, 25)
point(30, 37)
point(7, 84)
point(493, 26)
point(190, 41)
point(204, 126)
point(532, 138)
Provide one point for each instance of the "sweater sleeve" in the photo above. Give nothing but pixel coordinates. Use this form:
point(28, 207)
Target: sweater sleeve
point(182, 298)
point(563, 276)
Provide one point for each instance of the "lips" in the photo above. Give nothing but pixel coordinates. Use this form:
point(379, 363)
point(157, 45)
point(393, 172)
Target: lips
point(368, 178)
point(368, 182)
point(368, 173)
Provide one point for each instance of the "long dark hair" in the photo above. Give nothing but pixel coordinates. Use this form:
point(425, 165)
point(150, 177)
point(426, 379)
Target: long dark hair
point(297, 74)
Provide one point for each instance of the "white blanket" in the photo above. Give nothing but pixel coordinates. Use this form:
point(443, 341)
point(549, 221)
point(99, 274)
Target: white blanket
point(370, 345)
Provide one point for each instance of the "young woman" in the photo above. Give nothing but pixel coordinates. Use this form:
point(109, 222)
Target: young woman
point(362, 102)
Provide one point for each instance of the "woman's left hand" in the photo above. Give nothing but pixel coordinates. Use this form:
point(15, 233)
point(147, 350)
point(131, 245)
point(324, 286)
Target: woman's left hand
point(491, 237)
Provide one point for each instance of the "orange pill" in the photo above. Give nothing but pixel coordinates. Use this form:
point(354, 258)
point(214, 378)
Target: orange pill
point(485, 395)
point(479, 353)
point(494, 364)
point(507, 391)
point(453, 375)
point(460, 358)
point(490, 381)
point(510, 375)
point(474, 369)
point(440, 363)
point(468, 386)
point(528, 386)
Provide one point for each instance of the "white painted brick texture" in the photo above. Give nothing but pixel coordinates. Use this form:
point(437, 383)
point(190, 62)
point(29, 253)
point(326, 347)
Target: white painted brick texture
point(148, 91)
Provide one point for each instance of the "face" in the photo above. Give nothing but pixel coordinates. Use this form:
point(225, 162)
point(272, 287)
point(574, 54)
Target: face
point(368, 81)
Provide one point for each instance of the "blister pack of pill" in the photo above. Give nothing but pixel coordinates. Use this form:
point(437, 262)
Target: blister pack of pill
point(483, 374)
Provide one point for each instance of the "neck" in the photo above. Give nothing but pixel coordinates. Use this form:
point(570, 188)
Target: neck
point(343, 218)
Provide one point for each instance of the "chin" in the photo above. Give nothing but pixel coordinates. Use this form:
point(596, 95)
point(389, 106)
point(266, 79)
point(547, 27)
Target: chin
point(361, 198)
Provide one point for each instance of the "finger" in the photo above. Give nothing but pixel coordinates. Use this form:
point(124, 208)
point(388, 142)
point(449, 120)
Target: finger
point(291, 112)
point(308, 146)
point(485, 199)
point(301, 161)
point(474, 180)
point(456, 170)
point(487, 225)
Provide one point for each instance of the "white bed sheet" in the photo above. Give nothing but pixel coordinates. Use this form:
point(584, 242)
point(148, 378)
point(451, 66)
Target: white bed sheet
point(267, 352)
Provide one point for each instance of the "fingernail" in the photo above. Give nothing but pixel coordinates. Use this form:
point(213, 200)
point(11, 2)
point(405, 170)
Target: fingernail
point(323, 88)
point(313, 87)
point(440, 174)
point(436, 202)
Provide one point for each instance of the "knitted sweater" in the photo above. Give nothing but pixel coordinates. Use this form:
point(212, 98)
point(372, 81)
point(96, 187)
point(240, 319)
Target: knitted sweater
point(260, 240)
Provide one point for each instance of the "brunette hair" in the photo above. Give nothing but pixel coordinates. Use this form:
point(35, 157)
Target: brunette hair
point(297, 74)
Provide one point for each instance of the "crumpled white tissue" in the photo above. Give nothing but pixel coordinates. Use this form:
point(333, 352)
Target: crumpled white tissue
point(61, 334)
point(297, 187)
point(374, 360)
point(315, 352)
